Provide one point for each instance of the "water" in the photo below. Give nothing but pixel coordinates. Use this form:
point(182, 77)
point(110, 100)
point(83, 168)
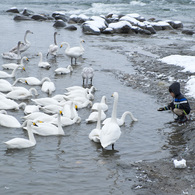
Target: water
point(72, 163)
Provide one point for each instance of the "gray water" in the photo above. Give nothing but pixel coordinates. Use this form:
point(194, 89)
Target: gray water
point(72, 163)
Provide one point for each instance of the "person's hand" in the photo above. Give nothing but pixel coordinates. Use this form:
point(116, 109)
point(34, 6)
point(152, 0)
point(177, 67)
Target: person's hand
point(161, 109)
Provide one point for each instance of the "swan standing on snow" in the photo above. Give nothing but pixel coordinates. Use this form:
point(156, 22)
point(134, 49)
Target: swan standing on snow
point(23, 46)
point(42, 64)
point(20, 143)
point(102, 103)
point(111, 132)
point(9, 121)
point(95, 133)
point(73, 52)
point(48, 87)
point(47, 129)
point(53, 48)
point(87, 74)
point(12, 55)
point(66, 70)
point(14, 65)
point(121, 120)
point(4, 74)
point(31, 80)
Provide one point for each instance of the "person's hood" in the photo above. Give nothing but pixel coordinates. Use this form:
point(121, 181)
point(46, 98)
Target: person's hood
point(175, 88)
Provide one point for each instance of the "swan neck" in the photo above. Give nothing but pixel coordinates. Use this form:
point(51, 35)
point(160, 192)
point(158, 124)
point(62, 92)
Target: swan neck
point(30, 133)
point(45, 79)
point(114, 110)
point(98, 126)
point(41, 57)
point(55, 42)
point(60, 130)
point(14, 71)
point(25, 38)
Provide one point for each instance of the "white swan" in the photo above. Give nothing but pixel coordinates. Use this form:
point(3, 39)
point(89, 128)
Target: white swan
point(5, 86)
point(66, 70)
point(73, 52)
point(53, 48)
point(21, 93)
point(102, 103)
point(28, 109)
point(46, 101)
point(84, 104)
point(47, 129)
point(12, 55)
point(23, 46)
point(93, 117)
point(42, 64)
point(74, 88)
point(95, 133)
point(87, 74)
point(14, 65)
point(4, 74)
point(9, 121)
point(31, 80)
point(70, 110)
point(7, 104)
point(111, 132)
point(121, 120)
point(48, 87)
point(20, 143)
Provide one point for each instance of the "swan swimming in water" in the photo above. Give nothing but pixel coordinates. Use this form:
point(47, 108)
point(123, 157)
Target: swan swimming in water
point(121, 120)
point(12, 55)
point(48, 87)
point(23, 46)
point(20, 143)
point(53, 48)
point(66, 70)
point(5, 86)
point(14, 65)
point(73, 52)
point(42, 64)
point(111, 132)
point(31, 80)
point(4, 74)
point(102, 103)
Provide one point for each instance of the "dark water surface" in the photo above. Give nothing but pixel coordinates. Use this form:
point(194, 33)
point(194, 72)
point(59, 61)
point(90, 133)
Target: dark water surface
point(72, 163)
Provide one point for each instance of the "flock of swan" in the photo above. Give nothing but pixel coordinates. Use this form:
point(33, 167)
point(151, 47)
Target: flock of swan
point(48, 116)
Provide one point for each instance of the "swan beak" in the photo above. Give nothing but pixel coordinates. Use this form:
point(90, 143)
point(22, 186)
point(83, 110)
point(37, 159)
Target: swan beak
point(27, 59)
point(76, 107)
point(61, 113)
point(35, 124)
point(26, 82)
point(61, 46)
point(23, 68)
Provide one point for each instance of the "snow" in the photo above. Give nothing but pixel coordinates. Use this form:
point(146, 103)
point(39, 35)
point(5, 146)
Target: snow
point(186, 62)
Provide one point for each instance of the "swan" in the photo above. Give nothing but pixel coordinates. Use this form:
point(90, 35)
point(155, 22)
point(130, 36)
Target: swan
point(102, 103)
point(48, 87)
point(42, 64)
point(111, 132)
point(93, 117)
point(58, 97)
point(84, 104)
point(73, 52)
point(66, 70)
point(28, 109)
point(7, 104)
point(70, 110)
point(95, 133)
point(23, 46)
point(4, 74)
point(74, 88)
point(46, 101)
point(5, 86)
point(87, 74)
point(121, 120)
point(47, 129)
point(53, 48)
point(14, 65)
point(51, 108)
point(9, 121)
point(35, 116)
point(12, 55)
point(32, 80)
point(20, 143)
point(21, 93)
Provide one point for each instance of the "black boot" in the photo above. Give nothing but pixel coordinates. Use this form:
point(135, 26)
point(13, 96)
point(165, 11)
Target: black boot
point(182, 118)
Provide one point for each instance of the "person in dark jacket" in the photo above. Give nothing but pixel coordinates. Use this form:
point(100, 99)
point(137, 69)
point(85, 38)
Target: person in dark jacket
point(180, 105)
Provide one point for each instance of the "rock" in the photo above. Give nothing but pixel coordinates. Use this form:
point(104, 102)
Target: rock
point(121, 27)
point(13, 10)
point(59, 24)
point(61, 17)
point(21, 17)
point(71, 27)
point(108, 31)
point(58, 13)
point(175, 24)
point(188, 32)
point(39, 17)
point(27, 12)
point(90, 29)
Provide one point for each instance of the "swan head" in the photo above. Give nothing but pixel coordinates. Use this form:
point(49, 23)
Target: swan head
point(28, 31)
point(76, 107)
point(23, 68)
